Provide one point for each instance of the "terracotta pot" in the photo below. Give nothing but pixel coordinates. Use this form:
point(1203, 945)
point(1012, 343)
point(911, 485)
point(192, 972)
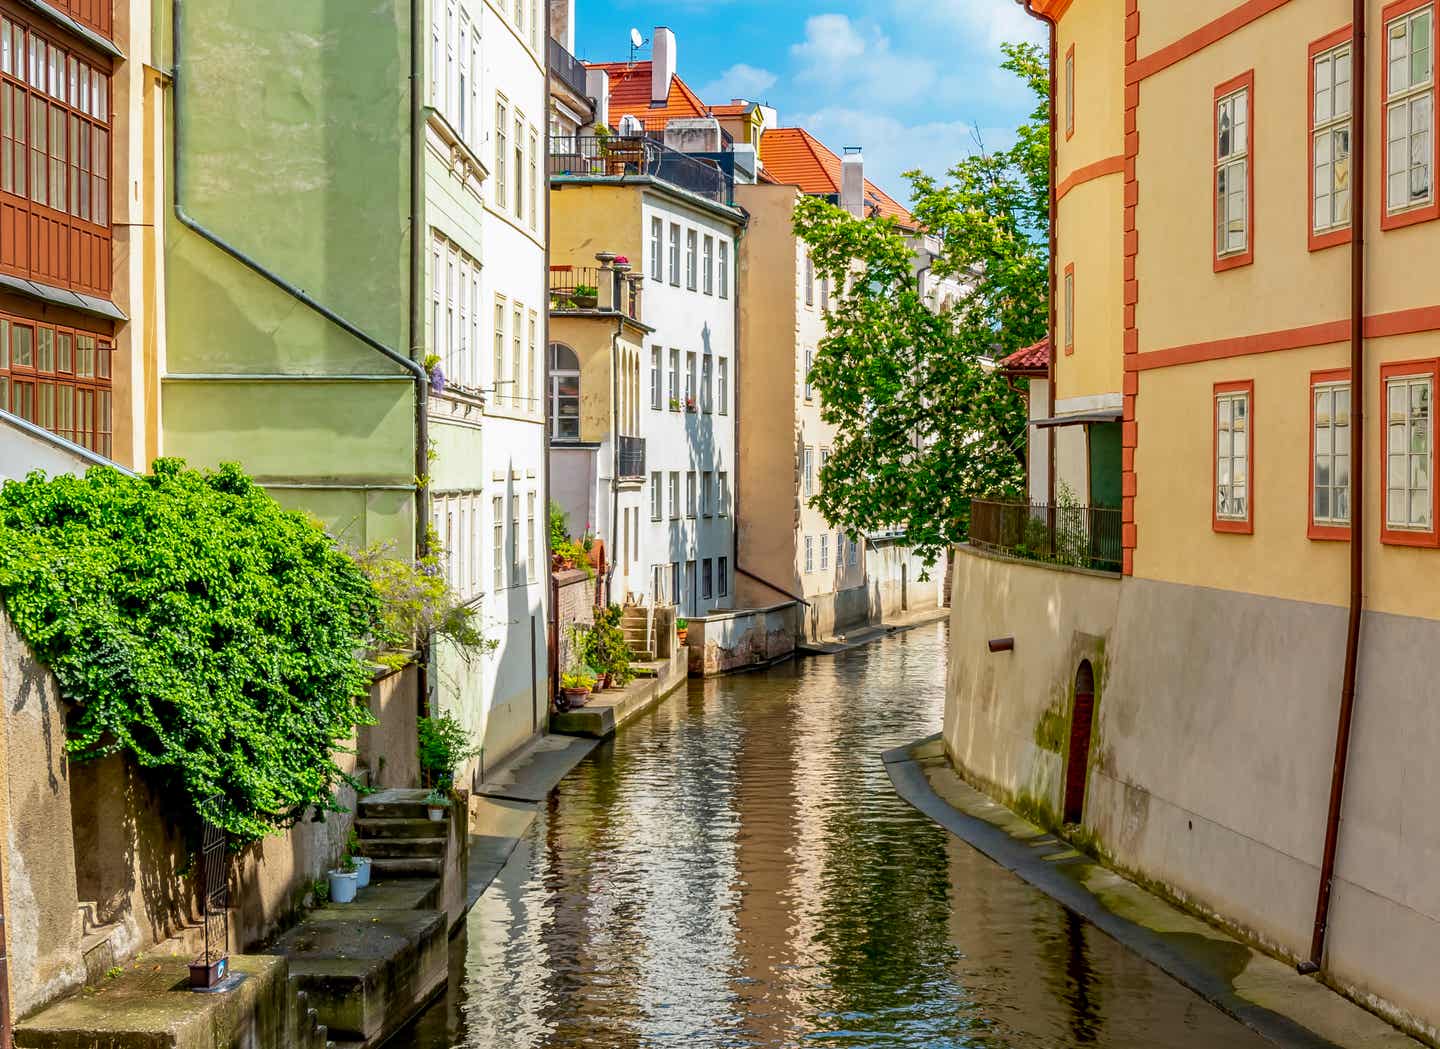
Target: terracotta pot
point(681, 635)
point(575, 697)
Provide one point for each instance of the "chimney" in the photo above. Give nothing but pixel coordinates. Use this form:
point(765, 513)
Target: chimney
point(562, 23)
point(597, 86)
point(662, 65)
point(852, 182)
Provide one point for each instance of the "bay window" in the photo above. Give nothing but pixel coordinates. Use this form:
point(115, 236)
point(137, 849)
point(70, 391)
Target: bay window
point(58, 378)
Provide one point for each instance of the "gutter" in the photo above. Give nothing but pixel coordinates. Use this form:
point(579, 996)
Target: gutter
point(300, 295)
point(1357, 495)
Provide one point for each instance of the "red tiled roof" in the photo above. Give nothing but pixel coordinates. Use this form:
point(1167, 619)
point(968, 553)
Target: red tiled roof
point(731, 109)
point(630, 93)
point(1032, 360)
point(794, 156)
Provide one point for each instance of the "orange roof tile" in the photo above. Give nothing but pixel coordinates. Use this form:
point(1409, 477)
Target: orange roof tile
point(1032, 360)
point(731, 109)
point(630, 93)
point(794, 156)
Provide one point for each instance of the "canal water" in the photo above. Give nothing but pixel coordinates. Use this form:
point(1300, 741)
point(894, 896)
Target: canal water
point(735, 870)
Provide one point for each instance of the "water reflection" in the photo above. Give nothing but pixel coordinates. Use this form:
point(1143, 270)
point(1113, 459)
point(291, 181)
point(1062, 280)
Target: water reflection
point(736, 871)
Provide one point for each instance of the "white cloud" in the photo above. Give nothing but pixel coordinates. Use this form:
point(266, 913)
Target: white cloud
point(831, 40)
point(739, 81)
point(988, 23)
point(855, 61)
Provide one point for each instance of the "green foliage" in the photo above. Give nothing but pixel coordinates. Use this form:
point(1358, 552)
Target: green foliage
point(114, 972)
point(577, 681)
point(444, 746)
point(417, 603)
point(437, 799)
point(198, 627)
point(924, 422)
point(321, 891)
point(586, 291)
point(603, 646)
point(564, 551)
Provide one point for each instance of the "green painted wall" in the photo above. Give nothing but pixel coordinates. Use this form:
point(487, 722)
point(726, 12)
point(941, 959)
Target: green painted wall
point(295, 148)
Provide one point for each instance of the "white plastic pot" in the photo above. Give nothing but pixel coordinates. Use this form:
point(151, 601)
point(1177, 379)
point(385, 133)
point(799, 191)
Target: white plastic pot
point(362, 871)
point(436, 814)
point(343, 885)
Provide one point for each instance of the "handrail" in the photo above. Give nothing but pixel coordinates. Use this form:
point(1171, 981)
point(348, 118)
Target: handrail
point(1078, 536)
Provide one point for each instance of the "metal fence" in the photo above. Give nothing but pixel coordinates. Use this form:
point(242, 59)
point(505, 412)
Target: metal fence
point(632, 457)
point(1078, 536)
point(589, 156)
point(567, 67)
point(567, 283)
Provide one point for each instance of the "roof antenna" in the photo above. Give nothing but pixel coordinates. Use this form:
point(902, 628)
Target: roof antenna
point(637, 42)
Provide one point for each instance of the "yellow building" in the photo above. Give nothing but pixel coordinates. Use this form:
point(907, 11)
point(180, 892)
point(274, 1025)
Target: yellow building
point(1186, 708)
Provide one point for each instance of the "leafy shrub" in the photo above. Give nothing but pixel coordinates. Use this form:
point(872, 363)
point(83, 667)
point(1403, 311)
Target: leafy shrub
point(199, 627)
point(564, 551)
point(577, 681)
point(603, 646)
point(444, 746)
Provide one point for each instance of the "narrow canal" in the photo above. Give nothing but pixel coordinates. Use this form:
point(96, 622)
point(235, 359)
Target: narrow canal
point(734, 870)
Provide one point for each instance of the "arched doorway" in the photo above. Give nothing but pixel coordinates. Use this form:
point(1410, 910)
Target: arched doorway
point(1078, 764)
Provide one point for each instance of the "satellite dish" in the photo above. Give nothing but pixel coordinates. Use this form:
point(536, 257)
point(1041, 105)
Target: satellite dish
point(636, 40)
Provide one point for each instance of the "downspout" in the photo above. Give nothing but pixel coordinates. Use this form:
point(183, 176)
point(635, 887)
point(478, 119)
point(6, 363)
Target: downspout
point(735, 403)
point(1357, 492)
point(615, 436)
point(552, 647)
point(194, 225)
point(417, 331)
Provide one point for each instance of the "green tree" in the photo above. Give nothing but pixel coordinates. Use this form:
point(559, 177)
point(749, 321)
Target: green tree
point(924, 422)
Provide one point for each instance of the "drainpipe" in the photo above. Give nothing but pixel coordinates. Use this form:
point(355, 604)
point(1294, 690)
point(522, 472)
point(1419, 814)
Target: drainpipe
point(1357, 491)
point(6, 1033)
point(188, 221)
point(614, 437)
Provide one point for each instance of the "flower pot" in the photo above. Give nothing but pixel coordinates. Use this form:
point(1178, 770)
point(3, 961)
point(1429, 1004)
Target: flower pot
point(575, 697)
point(205, 975)
point(436, 813)
point(585, 302)
point(343, 885)
point(681, 635)
point(362, 871)
point(603, 683)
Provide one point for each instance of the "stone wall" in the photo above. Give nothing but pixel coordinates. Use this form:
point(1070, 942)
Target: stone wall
point(728, 641)
point(1210, 759)
point(574, 606)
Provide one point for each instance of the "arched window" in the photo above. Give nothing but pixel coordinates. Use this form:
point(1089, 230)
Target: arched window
point(564, 393)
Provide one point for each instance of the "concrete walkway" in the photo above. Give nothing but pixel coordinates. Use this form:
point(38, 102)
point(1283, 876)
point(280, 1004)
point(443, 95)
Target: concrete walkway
point(1264, 994)
point(864, 635)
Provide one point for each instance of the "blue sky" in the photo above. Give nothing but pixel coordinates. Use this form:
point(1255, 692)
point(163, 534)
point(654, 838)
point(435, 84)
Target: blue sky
point(907, 80)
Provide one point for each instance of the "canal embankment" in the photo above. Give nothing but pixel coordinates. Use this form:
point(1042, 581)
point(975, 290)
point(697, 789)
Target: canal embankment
point(1263, 993)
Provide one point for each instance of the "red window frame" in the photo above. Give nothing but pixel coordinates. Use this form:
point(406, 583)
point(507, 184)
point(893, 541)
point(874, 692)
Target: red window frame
point(1333, 237)
point(1067, 308)
point(1425, 212)
point(1069, 74)
point(1408, 536)
point(92, 394)
point(1246, 81)
point(1230, 525)
point(1324, 530)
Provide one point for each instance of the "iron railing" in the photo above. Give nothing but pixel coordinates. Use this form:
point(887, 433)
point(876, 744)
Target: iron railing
point(567, 67)
point(632, 457)
point(1077, 536)
point(568, 282)
point(589, 156)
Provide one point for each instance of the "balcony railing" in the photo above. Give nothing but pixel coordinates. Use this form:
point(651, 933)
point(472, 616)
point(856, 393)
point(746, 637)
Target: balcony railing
point(1075, 536)
point(632, 457)
point(568, 282)
point(567, 67)
point(588, 156)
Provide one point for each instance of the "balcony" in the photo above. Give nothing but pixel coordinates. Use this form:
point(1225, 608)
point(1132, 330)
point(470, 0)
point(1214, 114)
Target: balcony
point(568, 69)
point(586, 288)
point(632, 458)
point(1070, 536)
point(589, 156)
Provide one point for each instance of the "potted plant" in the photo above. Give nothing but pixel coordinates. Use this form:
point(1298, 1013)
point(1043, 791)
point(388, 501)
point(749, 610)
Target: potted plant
point(682, 630)
point(344, 880)
point(674, 404)
point(362, 862)
point(431, 364)
point(690, 404)
point(585, 296)
point(445, 745)
point(437, 805)
point(575, 688)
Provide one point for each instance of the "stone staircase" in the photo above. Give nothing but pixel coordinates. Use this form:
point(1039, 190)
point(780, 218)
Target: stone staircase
point(399, 837)
point(634, 622)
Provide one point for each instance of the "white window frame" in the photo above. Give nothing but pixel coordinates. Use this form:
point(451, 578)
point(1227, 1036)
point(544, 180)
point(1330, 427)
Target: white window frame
point(722, 492)
point(502, 120)
point(809, 467)
point(530, 535)
point(676, 401)
point(1232, 164)
point(1330, 128)
point(1407, 456)
point(1331, 452)
point(824, 551)
point(724, 268)
point(675, 254)
point(809, 554)
point(692, 259)
point(534, 178)
point(707, 284)
point(657, 380)
point(690, 391)
point(1229, 465)
point(707, 376)
point(809, 366)
point(497, 509)
point(722, 383)
point(690, 493)
point(657, 249)
point(657, 496)
point(707, 494)
point(674, 495)
point(1069, 308)
point(1405, 97)
point(722, 577)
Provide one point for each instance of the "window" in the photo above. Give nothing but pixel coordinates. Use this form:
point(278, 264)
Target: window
point(708, 273)
point(824, 551)
point(535, 24)
point(655, 496)
point(675, 254)
point(437, 35)
point(516, 361)
point(1234, 444)
point(724, 269)
point(825, 294)
point(809, 366)
point(676, 596)
point(690, 379)
point(707, 579)
point(657, 249)
point(657, 583)
point(1408, 468)
point(707, 371)
point(58, 378)
point(809, 553)
point(532, 383)
point(854, 551)
point(1330, 455)
point(724, 386)
point(824, 460)
point(690, 493)
point(497, 514)
point(502, 118)
point(515, 562)
point(722, 494)
point(499, 349)
point(1069, 318)
point(455, 293)
point(519, 165)
point(520, 17)
point(534, 179)
point(674, 495)
point(1330, 94)
point(1070, 92)
point(1408, 116)
point(690, 259)
point(530, 535)
point(707, 494)
point(689, 592)
point(564, 393)
point(1233, 174)
point(657, 380)
point(722, 577)
point(809, 470)
point(674, 379)
point(809, 280)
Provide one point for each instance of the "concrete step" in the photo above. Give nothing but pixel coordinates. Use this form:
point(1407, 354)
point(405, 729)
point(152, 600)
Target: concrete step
point(407, 867)
point(396, 827)
point(402, 803)
point(400, 894)
point(403, 848)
